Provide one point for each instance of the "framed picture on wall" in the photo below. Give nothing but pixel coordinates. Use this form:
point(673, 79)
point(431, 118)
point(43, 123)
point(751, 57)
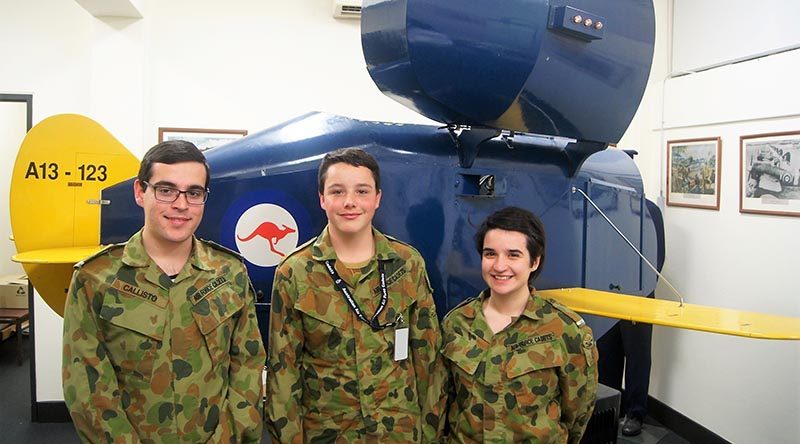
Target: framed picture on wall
point(693, 172)
point(203, 138)
point(769, 170)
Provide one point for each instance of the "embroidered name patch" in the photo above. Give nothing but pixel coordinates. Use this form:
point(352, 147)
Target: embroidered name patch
point(391, 280)
point(548, 337)
point(209, 287)
point(137, 292)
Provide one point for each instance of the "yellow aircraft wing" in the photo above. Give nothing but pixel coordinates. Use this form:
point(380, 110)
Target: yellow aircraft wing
point(65, 255)
point(673, 314)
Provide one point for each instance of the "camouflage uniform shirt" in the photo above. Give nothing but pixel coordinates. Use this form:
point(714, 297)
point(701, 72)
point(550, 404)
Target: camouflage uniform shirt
point(533, 382)
point(331, 377)
point(148, 359)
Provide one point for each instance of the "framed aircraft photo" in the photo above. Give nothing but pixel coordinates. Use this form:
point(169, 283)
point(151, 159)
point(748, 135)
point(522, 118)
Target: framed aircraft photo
point(693, 173)
point(203, 138)
point(769, 170)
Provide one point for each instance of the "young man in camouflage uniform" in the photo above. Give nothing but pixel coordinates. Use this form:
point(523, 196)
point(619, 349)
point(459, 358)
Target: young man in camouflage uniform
point(161, 342)
point(353, 330)
point(523, 368)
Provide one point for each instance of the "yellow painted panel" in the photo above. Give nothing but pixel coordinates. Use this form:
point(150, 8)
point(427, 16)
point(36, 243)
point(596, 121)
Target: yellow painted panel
point(672, 314)
point(62, 166)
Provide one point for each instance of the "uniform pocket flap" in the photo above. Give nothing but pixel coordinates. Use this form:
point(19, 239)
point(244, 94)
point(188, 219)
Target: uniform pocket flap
point(320, 307)
point(535, 357)
point(142, 317)
point(216, 308)
point(464, 353)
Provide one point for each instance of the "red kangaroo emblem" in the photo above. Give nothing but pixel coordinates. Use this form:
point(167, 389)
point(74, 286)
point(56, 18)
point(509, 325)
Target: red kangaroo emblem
point(271, 233)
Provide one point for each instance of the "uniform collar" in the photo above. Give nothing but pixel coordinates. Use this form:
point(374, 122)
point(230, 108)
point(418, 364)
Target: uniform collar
point(134, 254)
point(322, 249)
point(532, 308)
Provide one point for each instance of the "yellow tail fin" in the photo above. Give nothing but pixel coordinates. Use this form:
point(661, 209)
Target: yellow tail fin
point(62, 166)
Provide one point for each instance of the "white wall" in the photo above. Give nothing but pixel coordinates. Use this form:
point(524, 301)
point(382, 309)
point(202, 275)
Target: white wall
point(745, 390)
point(13, 121)
point(250, 64)
point(713, 32)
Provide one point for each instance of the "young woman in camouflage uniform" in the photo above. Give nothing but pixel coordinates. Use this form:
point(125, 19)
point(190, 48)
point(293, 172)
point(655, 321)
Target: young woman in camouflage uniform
point(354, 337)
point(523, 368)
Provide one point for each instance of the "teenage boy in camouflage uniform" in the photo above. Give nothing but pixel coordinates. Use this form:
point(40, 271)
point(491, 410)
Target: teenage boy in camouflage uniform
point(524, 368)
point(161, 342)
point(353, 330)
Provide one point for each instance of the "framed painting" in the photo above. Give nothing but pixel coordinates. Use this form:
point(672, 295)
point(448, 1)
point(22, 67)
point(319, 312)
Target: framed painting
point(203, 138)
point(769, 170)
point(693, 172)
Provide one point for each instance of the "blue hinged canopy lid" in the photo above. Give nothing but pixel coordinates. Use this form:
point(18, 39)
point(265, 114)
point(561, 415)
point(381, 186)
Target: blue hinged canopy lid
point(575, 70)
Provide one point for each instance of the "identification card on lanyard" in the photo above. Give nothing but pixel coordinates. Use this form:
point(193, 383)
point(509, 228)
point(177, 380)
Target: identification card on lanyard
point(401, 343)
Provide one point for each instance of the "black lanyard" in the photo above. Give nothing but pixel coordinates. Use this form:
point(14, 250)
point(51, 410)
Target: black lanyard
point(340, 284)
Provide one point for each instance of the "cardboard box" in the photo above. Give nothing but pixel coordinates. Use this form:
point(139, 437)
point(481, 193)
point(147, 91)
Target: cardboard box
point(14, 291)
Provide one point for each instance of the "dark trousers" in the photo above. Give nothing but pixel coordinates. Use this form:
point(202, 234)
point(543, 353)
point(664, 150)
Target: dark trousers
point(627, 346)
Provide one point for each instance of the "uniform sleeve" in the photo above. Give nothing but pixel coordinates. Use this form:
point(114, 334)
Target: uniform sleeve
point(426, 341)
point(242, 412)
point(449, 384)
point(578, 382)
point(90, 384)
point(284, 362)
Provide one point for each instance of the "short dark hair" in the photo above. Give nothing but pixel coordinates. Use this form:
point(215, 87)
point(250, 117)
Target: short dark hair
point(522, 221)
point(171, 152)
point(352, 156)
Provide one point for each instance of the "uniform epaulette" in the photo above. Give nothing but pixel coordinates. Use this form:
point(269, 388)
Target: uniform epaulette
point(300, 248)
point(394, 239)
point(223, 248)
point(567, 311)
point(403, 243)
point(99, 253)
point(460, 304)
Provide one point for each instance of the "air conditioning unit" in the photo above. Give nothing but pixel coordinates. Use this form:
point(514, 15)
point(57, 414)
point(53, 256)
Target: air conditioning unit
point(347, 9)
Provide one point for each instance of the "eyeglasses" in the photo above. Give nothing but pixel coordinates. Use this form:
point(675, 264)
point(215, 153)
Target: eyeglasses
point(194, 196)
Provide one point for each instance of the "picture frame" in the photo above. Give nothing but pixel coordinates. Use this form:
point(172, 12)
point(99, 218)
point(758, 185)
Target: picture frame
point(204, 138)
point(693, 172)
point(769, 173)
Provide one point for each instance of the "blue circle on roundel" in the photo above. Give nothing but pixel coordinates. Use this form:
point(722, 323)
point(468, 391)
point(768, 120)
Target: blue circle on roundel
point(261, 275)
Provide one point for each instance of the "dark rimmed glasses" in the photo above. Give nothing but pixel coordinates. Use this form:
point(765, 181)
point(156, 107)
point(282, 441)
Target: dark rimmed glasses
point(167, 194)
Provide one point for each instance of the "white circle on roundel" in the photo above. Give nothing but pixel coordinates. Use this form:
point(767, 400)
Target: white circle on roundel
point(265, 234)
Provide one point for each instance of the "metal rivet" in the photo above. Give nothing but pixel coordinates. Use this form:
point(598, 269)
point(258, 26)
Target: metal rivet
point(577, 19)
point(598, 26)
point(588, 22)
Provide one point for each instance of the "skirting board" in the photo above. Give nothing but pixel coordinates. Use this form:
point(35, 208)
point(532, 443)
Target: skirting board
point(50, 411)
point(680, 424)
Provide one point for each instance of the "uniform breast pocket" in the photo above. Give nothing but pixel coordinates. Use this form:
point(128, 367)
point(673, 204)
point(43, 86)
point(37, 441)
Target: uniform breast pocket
point(216, 316)
point(324, 332)
point(133, 332)
point(532, 376)
point(463, 356)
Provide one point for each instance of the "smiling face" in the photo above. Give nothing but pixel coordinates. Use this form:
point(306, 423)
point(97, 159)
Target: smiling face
point(349, 197)
point(506, 264)
point(171, 225)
